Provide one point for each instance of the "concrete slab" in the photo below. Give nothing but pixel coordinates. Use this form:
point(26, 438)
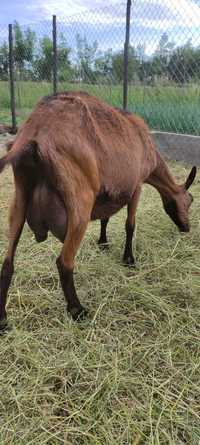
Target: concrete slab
point(178, 147)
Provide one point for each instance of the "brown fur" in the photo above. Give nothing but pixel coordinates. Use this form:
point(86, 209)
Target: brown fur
point(76, 159)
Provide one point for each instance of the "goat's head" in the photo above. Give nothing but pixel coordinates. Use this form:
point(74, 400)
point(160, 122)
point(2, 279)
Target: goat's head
point(178, 207)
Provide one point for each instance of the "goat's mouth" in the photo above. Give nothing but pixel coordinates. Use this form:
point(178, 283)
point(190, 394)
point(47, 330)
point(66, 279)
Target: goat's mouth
point(184, 228)
point(171, 210)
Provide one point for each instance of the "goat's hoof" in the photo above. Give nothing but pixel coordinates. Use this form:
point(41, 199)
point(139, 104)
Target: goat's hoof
point(3, 326)
point(103, 246)
point(78, 314)
point(129, 261)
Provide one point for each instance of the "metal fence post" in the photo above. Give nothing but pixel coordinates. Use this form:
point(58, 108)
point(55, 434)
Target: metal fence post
point(55, 55)
point(12, 82)
point(126, 51)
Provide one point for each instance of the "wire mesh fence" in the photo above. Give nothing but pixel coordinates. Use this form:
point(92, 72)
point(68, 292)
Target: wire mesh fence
point(4, 66)
point(165, 39)
point(163, 65)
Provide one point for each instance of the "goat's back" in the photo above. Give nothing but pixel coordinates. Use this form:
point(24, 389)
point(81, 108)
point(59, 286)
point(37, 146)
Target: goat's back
point(87, 138)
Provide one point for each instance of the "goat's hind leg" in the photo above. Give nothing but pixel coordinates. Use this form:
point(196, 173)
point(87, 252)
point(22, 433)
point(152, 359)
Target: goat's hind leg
point(16, 223)
point(77, 223)
point(103, 242)
point(128, 257)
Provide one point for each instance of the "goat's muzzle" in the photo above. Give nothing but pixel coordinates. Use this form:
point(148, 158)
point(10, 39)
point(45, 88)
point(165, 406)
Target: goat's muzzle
point(184, 228)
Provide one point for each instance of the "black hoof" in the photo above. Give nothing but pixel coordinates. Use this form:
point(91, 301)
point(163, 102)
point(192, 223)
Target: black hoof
point(103, 246)
point(129, 261)
point(78, 314)
point(41, 238)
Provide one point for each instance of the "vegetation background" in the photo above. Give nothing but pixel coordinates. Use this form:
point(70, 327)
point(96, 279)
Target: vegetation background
point(163, 88)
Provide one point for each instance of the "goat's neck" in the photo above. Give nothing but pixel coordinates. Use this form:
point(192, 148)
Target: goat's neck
point(162, 180)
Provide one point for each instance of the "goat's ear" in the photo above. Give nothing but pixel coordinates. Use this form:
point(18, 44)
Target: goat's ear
point(190, 178)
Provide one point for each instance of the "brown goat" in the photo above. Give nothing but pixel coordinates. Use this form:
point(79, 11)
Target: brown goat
point(77, 159)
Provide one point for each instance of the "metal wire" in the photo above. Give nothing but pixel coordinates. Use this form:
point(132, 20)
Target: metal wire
point(163, 68)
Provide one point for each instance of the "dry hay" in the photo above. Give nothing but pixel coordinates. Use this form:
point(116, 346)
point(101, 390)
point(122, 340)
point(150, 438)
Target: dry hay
point(130, 373)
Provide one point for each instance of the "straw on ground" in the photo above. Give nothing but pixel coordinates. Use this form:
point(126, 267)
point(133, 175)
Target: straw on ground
point(130, 373)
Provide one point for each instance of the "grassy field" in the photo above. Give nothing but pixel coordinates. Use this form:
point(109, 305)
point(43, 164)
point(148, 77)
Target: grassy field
point(129, 374)
point(164, 108)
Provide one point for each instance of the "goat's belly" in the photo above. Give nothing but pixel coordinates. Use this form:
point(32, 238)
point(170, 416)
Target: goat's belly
point(106, 206)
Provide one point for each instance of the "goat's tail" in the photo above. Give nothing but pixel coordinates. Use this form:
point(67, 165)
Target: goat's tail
point(14, 156)
point(32, 157)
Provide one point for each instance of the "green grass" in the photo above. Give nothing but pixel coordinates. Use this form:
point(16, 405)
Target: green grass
point(167, 108)
point(129, 374)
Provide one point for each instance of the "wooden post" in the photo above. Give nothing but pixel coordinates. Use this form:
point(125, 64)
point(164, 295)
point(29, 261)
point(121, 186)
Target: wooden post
point(12, 82)
point(126, 55)
point(55, 55)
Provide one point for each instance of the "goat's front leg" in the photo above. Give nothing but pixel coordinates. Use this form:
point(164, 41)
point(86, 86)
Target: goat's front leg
point(78, 219)
point(16, 223)
point(103, 242)
point(128, 257)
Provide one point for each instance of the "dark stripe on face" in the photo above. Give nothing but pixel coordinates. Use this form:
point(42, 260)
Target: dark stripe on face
point(172, 210)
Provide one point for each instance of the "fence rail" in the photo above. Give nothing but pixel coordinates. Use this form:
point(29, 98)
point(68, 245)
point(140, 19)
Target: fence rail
point(144, 57)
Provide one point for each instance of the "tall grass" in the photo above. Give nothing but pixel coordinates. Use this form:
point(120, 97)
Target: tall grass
point(175, 109)
point(129, 374)
point(167, 108)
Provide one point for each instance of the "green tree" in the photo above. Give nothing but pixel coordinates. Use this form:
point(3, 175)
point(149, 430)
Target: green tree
point(44, 61)
point(165, 47)
point(184, 64)
point(86, 55)
point(65, 71)
point(103, 66)
point(4, 64)
point(146, 71)
point(157, 66)
point(141, 52)
point(30, 42)
point(24, 43)
point(118, 65)
point(159, 63)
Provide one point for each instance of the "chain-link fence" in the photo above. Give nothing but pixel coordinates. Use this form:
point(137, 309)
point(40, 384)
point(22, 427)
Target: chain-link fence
point(163, 67)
